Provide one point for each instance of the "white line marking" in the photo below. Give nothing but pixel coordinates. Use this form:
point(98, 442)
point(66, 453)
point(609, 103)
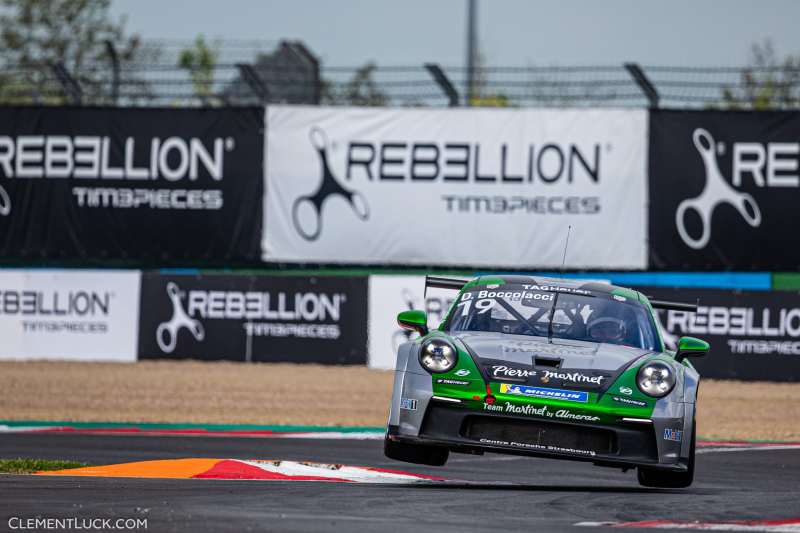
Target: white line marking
point(749, 448)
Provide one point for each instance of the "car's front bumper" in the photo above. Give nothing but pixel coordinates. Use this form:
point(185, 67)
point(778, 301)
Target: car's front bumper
point(625, 445)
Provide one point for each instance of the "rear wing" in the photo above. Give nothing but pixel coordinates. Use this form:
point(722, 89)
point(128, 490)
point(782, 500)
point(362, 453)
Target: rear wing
point(443, 283)
point(674, 306)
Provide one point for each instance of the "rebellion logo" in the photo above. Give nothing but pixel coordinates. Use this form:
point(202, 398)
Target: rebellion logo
point(286, 315)
point(717, 191)
point(87, 157)
point(307, 210)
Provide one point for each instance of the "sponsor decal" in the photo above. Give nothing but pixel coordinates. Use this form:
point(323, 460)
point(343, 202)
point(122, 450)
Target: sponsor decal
point(408, 404)
point(543, 411)
point(88, 157)
point(571, 377)
point(556, 288)
point(626, 391)
point(337, 169)
point(539, 447)
point(511, 373)
point(150, 186)
point(446, 381)
point(78, 315)
point(673, 434)
point(719, 186)
point(540, 392)
point(620, 298)
point(307, 209)
point(629, 401)
point(462, 372)
point(249, 306)
point(236, 317)
point(748, 158)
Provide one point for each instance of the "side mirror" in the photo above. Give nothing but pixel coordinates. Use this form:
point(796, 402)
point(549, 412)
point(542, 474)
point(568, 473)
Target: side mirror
point(691, 347)
point(414, 320)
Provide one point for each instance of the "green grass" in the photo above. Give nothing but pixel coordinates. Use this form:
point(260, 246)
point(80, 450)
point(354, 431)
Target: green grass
point(28, 466)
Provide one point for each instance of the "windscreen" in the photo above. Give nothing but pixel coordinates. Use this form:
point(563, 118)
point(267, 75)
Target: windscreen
point(526, 310)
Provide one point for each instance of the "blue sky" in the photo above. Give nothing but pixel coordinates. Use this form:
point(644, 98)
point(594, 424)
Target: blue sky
point(512, 32)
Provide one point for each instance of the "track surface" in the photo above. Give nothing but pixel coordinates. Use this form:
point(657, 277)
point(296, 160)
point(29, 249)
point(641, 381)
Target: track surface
point(512, 493)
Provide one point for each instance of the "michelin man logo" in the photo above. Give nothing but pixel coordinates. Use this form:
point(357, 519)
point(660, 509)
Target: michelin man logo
point(167, 332)
point(307, 210)
point(716, 191)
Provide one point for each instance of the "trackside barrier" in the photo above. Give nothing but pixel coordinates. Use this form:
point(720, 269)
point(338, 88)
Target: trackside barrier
point(105, 315)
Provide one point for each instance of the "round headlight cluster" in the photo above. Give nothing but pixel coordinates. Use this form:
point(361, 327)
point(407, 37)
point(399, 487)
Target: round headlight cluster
point(438, 355)
point(656, 379)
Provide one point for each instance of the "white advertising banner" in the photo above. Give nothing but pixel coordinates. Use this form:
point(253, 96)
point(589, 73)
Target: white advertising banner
point(388, 296)
point(472, 187)
point(75, 315)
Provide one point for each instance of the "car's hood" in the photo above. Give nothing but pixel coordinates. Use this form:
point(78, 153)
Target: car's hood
point(522, 351)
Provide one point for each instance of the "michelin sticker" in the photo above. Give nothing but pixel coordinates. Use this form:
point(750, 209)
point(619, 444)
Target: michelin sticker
point(550, 394)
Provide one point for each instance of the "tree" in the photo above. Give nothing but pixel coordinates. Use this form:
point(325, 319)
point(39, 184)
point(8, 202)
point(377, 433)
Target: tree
point(200, 61)
point(768, 83)
point(360, 90)
point(79, 34)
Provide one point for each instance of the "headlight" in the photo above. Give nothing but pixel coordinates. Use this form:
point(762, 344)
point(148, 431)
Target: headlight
point(656, 379)
point(438, 355)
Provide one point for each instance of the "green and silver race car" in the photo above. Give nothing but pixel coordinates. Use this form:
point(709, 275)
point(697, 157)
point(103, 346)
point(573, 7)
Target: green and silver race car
point(557, 368)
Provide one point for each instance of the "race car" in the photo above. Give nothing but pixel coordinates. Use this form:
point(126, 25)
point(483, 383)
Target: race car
point(557, 368)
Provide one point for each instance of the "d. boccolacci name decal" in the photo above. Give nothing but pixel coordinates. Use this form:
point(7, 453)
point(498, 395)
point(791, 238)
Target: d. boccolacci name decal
point(541, 392)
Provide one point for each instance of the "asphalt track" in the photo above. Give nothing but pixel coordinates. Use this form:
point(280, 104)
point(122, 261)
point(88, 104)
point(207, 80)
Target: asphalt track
point(505, 493)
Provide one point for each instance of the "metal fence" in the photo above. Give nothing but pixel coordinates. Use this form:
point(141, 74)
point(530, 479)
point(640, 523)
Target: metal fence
point(257, 72)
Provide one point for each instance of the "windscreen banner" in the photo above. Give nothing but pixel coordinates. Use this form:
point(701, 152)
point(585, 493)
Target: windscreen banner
point(754, 335)
point(724, 188)
point(76, 315)
point(482, 187)
point(295, 319)
point(143, 185)
point(388, 296)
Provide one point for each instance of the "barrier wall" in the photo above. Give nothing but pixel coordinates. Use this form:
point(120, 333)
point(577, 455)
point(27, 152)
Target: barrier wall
point(492, 188)
point(129, 315)
point(155, 186)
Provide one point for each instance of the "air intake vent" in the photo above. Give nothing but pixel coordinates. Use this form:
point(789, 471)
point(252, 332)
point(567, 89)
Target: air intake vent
point(547, 361)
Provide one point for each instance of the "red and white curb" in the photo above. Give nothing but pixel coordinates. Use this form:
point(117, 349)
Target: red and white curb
point(788, 526)
point(255, 469)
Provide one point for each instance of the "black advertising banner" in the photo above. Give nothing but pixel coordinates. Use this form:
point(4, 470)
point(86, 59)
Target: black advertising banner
point(724, 190)
point(754, 335)
point(147, 186)
point(295, 319)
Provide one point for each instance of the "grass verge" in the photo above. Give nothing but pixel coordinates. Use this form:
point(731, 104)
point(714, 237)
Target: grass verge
point(29, 466)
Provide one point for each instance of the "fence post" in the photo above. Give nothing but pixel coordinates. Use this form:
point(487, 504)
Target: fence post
point(114, 57)
point(444, 83)
point(644, 83)
point(69, 84)
point(254, 81)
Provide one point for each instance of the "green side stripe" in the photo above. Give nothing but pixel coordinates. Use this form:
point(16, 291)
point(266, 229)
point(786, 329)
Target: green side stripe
point(206, 427)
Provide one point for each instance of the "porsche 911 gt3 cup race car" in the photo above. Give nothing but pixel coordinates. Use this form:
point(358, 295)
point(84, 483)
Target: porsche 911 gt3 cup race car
point(557, 368)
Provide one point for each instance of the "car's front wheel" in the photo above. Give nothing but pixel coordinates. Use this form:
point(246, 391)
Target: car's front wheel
point(415, 453)
point(650, 477)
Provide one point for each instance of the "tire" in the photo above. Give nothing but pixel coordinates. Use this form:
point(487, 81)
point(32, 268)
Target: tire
point(415, 453)
point(649, 477)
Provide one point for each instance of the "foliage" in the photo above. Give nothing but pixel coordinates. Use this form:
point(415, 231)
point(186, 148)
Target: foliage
point(79, 34)
point(360, 90)
point(28, 466)
point(200, 62)
point(769, 83)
